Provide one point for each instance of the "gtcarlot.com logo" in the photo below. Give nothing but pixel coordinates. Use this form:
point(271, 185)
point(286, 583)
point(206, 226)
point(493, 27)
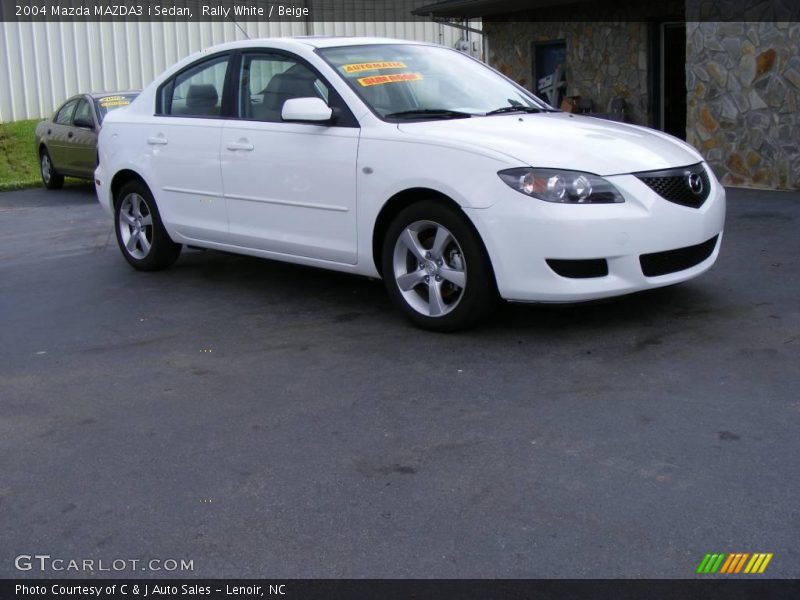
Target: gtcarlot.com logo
point(733, 563)
point(45, 562)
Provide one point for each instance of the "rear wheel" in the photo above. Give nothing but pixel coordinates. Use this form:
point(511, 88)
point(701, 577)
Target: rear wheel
point(141, 236)
point(436, 269)
point(51, 179)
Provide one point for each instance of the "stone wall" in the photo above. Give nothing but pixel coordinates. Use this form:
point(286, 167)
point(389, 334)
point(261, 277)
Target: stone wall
point(604, 60)
point(743, 82)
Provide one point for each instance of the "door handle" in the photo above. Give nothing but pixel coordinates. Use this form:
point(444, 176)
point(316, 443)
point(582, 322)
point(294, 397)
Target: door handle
point(242, 145)
point(157, 140)
point(69, 135)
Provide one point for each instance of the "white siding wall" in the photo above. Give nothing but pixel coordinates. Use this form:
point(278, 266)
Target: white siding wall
point(42, 64)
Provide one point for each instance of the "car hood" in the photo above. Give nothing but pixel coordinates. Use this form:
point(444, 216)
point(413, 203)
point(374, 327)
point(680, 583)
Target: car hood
point(562, 140)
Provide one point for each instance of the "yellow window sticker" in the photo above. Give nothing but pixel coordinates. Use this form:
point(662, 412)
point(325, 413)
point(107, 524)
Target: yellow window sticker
point(373, 66)
point(114, 101)
point(393, 78)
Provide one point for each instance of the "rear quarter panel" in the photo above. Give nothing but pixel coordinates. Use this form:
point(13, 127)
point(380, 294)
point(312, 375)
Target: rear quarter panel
point(121, 146)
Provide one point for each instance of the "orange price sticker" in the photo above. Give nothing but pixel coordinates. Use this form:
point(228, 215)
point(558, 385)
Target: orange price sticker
point(394, 78)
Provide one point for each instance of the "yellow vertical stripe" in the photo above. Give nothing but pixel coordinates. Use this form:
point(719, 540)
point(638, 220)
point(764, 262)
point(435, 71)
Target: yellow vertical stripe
point(759, 562)
point(724, 568)
point(741, 562)
point(751, 564)
point(765, 563)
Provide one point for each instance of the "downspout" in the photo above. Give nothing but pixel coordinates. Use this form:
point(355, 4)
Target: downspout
point(468, 29)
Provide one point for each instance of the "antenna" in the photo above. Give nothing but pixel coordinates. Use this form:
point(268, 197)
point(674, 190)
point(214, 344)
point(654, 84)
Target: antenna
point(230, 18)
point(235, 22)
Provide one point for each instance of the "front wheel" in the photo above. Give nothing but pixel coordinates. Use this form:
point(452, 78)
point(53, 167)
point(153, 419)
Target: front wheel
point(50, 179)
point(436, 269)
point(141, 236)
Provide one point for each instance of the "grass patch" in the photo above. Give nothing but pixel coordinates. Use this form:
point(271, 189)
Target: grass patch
point(19, 158)
point(19, 163)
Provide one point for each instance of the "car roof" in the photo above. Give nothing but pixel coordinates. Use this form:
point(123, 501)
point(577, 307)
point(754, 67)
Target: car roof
point(98, 95)
point(332, 41)
point(322, 41)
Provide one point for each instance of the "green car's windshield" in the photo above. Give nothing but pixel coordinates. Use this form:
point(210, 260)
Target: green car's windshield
point(112, 102)
point(409, 81)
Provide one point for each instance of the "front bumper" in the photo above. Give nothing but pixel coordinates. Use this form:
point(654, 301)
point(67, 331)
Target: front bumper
point(522, 233)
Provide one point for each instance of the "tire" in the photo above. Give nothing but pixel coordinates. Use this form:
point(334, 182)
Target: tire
point(50, 178)
point(436, 269)
point(141, 236)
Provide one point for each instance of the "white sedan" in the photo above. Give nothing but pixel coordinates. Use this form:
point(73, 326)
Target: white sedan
point(406, 161)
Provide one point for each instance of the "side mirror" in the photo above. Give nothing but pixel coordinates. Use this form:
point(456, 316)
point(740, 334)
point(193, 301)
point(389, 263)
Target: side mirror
point(306, 110)
point(83, 123)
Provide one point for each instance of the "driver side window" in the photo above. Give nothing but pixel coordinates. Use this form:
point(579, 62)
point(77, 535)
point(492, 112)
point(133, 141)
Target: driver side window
point(84, 111)
point(267, 81)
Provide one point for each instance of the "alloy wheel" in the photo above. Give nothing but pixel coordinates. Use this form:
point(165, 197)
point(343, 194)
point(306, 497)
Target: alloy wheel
point(136, 226)
point(429, 268)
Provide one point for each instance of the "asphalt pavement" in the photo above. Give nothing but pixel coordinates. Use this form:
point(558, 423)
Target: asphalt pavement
point(268, 420)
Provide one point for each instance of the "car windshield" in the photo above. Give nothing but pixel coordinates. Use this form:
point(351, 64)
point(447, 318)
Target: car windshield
point(409, 81)
point(112, 102)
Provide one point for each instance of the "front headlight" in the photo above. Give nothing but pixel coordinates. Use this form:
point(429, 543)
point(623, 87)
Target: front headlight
point(567, 187)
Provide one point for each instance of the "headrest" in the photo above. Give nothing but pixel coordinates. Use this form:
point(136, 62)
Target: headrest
point(292, 85)
point(202, 95)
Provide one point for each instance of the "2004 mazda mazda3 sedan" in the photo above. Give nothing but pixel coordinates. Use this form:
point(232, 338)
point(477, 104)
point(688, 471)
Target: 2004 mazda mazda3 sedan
point(406, 161)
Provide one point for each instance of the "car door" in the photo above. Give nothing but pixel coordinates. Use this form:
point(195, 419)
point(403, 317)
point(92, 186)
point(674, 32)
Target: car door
point(290, 187)
point(81, 144)
point(183, 142)
point(56, 135)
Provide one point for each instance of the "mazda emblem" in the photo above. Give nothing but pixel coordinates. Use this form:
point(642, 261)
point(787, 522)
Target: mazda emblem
point(695, 183)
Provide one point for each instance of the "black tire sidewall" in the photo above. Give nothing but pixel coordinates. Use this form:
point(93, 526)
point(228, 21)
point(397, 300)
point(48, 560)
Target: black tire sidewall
point(163, 251)
point(480, 293)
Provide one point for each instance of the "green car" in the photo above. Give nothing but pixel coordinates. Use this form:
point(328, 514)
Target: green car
point(67, 142)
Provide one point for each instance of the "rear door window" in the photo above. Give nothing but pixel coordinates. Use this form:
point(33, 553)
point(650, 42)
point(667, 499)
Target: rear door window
point(197, 91)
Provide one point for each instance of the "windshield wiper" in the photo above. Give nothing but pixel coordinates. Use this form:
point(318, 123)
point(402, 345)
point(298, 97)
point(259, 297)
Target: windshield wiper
point(433, 113)
point(513, 109)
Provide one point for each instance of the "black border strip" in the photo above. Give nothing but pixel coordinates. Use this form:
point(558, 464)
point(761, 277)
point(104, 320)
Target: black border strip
point(399, 10)
point(713, 588)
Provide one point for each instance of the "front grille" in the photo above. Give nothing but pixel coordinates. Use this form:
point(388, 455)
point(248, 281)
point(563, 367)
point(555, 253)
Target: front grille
point(579, 269)
point(672, 261)
point(675, 185)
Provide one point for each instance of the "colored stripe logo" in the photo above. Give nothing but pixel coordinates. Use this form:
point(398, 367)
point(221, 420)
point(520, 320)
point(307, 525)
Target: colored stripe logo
point(736, 562)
